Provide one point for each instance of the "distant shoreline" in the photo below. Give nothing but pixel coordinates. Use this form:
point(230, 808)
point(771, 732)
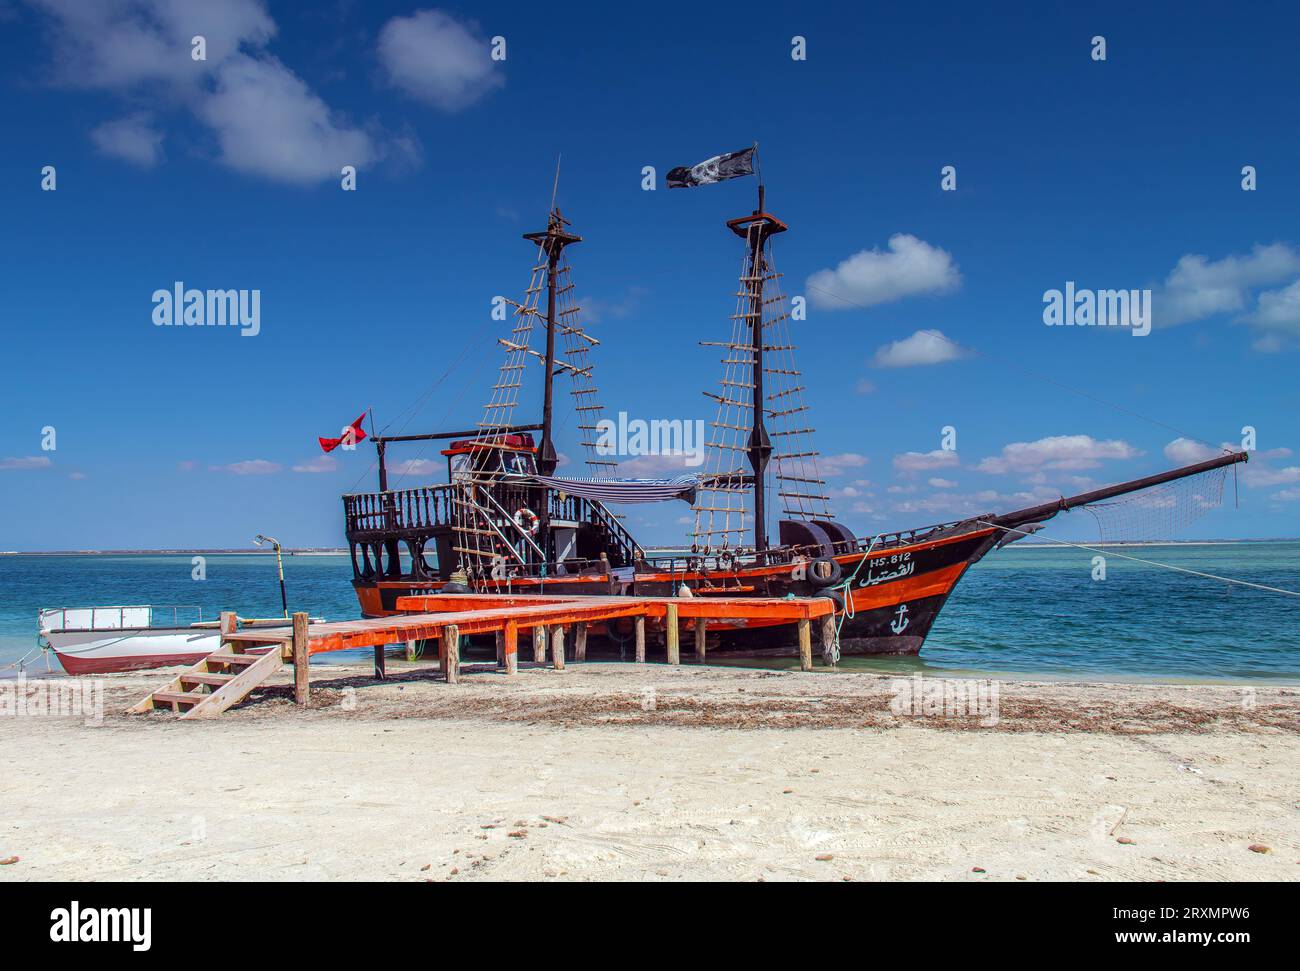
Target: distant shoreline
point(306, 551)
point(337, 551)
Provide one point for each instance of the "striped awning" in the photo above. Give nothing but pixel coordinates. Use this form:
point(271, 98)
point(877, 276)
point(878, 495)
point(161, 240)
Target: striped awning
point(625, 490)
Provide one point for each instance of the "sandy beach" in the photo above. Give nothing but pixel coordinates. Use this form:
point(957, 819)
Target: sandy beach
point(625, 772)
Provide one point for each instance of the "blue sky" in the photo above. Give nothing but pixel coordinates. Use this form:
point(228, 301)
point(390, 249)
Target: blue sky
point(1122, 173)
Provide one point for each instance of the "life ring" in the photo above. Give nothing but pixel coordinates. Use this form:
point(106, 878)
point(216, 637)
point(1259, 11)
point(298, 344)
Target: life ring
point(823, 572)
point(527, 520)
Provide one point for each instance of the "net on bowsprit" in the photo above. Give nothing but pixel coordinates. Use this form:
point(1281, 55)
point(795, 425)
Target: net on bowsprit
point(1160, 512)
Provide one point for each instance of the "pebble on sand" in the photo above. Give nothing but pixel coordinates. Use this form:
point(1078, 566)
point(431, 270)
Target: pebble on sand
point(824, 857)
point(977, 869)
point(1126, 841)
point(1253, 847)
point(8, 860)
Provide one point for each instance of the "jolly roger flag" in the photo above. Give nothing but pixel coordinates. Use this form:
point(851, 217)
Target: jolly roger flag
point(716, 169)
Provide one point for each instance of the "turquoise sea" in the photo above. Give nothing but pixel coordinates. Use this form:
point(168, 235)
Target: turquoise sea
point(1023, 610)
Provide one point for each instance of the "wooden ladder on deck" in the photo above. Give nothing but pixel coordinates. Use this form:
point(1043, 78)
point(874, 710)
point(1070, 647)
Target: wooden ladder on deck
point(222, 679)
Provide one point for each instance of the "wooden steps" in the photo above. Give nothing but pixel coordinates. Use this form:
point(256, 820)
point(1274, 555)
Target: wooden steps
point(222, 679)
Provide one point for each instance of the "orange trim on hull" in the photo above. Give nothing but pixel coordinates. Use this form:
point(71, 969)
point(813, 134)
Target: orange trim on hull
point(931, 584)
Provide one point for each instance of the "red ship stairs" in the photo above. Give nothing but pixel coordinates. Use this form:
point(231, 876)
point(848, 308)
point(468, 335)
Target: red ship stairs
point(222, 679)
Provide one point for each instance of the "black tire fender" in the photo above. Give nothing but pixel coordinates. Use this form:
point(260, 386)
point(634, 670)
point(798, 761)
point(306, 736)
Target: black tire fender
point(824, 572)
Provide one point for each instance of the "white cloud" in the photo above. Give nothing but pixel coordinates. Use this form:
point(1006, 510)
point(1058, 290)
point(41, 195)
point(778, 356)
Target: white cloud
point(132, 139)
point(249, 467)
point(1057, 452)
point(655, 466)
point(923, 347)
point(924, 461)
point(938, 483)
point(1262, 476)
point(269, 123)
point(953, 504)
point(77, 475)
point(25, 462)
point(839, 464)
point(124, 43)
point(864, 386)
point(1198, 288)
point(869, 277)
point(1287, 495)
point(1277, 314)
point(439, 60)
point(418, 467)
point(1184, 451)
point(321, 463)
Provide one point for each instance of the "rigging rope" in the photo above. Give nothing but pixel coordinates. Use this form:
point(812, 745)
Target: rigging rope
point(1138, 559)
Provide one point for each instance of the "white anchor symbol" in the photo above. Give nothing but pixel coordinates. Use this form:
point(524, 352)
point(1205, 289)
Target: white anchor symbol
point(899, 624)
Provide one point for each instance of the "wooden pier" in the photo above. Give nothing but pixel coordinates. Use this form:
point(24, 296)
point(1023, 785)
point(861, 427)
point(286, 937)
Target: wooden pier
point(247, 658)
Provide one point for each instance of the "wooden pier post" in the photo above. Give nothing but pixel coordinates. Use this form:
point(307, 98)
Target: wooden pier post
point(805, 644)
point(672, 634)
point(501, 648)
point(828, 638)
point(580, 642)
point(451, 637)
point(539, 644)
point(638, 624)
point(701, 633)
point(227, 624)
point(557, 647)
point(380, 674)
point(301, 657)
point(510, 644)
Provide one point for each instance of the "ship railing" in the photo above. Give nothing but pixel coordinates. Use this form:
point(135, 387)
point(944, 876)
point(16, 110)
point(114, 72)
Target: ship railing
point(723, 561)
point(902, 537)
point(132, 616)
point(546, 571)
point(424, 507)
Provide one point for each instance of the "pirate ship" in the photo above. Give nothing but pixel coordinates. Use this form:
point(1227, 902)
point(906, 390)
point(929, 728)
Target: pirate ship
point(505, 522)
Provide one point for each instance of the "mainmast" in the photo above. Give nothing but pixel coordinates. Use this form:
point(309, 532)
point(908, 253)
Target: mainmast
point(756, 228)
point(552, 243)
point(761, 416)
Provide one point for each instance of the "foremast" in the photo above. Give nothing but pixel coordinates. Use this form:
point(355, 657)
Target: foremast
point(488, 538)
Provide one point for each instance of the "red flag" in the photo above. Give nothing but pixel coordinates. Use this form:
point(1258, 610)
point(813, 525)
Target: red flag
point(353, 434)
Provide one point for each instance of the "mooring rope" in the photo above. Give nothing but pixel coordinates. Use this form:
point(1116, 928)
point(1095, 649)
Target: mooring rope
point(21, 663)
point(1138, 559)
point(832, 656)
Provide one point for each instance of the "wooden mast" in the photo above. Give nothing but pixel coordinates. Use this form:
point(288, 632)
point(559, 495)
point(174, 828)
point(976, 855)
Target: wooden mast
point(756, 229)
point(552, 243)
point(760, 446)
